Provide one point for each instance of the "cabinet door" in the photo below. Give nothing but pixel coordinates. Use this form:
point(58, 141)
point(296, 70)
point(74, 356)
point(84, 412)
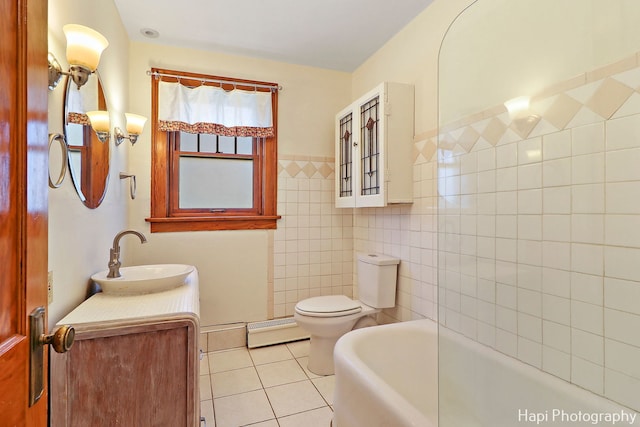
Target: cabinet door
point(373, 148)
point(120, 373)
point(345, 167)
point(370, 150)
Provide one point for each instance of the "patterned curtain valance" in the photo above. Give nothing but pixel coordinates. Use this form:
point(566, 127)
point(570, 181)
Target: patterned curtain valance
point(210, 109)
point(78, 119)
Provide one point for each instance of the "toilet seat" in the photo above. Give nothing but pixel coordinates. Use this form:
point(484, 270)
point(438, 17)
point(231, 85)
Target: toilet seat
point(328, 306)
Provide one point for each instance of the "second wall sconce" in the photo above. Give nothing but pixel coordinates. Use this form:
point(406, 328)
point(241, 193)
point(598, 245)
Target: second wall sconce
point(135, 125)
point(100, 124)
point(84, 47)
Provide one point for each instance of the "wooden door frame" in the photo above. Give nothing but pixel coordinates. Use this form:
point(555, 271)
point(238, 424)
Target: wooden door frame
point(37, 177)
point(24, 151)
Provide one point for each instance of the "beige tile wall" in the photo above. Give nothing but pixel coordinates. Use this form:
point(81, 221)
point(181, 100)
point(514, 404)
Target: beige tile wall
point(312, 250)
point(408, 232)
point(539, 232)
point(315, 243)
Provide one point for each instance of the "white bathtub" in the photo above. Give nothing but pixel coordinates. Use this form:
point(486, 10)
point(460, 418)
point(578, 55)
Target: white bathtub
point(386, 376)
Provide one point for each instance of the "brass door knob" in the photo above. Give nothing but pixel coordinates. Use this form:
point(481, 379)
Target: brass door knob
point(61, 340)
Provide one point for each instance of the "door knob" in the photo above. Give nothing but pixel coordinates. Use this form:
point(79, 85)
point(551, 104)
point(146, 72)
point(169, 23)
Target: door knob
point(61, 340)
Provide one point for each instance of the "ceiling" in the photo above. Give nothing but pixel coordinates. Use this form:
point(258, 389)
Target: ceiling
point(334, 34)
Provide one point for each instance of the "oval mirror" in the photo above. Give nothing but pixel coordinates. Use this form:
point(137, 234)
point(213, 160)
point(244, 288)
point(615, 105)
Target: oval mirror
point(88, 156)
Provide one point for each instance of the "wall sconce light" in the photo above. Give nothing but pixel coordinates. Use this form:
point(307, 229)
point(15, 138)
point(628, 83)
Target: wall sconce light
point(135, 125)
point(84, 47)
point(100, 124)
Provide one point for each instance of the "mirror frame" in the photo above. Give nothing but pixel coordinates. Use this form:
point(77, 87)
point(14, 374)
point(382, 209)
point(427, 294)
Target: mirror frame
point(92, 180)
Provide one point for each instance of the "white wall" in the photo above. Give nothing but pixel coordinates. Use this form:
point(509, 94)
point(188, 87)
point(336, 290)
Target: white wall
point(80, 238)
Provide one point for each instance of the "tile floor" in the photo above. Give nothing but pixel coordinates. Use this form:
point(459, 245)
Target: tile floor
point(264, 387)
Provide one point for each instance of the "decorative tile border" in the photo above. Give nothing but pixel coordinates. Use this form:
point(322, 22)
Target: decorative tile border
point(311, 167)
point(424, 147)
point(423, 150)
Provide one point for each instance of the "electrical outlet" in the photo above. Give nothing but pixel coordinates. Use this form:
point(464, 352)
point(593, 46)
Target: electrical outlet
point(50, 287)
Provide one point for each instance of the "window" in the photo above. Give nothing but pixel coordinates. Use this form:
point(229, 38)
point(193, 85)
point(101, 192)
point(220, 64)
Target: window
point(212, 175)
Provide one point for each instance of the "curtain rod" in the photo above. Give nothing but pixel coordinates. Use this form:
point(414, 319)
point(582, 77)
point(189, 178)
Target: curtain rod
point(157, 74)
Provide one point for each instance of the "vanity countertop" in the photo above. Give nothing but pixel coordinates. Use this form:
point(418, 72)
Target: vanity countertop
point(109, 310)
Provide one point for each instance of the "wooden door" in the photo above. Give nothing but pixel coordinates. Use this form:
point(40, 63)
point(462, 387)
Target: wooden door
point(23, 200)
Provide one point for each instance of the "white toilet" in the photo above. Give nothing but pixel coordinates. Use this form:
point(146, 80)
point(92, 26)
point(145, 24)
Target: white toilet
point(327, 318)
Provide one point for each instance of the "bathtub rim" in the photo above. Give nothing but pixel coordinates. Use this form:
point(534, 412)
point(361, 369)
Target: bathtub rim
point(345, 356)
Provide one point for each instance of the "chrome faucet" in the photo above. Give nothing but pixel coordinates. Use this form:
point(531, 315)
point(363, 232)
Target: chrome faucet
point(114, 253)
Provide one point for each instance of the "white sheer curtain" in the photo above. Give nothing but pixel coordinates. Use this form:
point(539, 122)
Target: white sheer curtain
point(80, 100)
point(210, 109)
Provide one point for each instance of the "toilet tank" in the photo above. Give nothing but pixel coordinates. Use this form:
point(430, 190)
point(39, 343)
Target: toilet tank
point(377, 278)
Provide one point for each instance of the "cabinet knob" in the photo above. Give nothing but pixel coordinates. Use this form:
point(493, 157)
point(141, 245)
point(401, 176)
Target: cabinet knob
point(355, 144)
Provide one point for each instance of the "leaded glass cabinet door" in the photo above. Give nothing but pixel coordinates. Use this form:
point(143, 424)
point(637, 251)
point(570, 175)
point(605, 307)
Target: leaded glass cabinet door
point(369, 151)
point(345, 166)
point(371, 171)
point(373, 148)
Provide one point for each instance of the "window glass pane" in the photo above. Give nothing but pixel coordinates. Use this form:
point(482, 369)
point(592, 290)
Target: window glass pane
point(74, 134)
point(207, 143)
point(227, 145)
point(210, 183)
point(188, 142)
point(245, 145)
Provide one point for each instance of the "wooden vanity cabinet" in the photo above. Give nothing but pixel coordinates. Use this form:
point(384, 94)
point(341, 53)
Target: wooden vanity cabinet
point(134, 363)
point(124, 374)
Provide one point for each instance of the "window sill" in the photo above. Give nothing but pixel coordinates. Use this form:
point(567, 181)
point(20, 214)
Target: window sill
point(173, 224)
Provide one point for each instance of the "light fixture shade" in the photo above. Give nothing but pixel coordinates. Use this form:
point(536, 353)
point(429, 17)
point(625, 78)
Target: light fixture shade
point(84, 46)
point(135, 123)
point(99, 120)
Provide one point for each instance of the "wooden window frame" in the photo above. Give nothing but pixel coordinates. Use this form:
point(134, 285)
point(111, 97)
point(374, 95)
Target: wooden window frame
point(164, 189)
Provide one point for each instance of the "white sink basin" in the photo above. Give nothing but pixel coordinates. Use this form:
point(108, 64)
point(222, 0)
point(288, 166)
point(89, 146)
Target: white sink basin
point(143, 279)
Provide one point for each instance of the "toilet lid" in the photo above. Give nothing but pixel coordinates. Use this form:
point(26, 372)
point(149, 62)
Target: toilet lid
point(328, 306)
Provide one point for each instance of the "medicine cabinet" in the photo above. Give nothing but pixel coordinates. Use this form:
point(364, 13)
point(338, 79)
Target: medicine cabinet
point(374, 140)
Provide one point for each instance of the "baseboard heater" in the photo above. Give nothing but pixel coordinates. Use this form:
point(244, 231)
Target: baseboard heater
point(275, 331)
